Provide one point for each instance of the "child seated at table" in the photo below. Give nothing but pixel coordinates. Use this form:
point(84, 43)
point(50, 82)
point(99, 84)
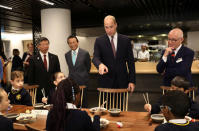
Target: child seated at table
point(57, 77)
point(175, 106)
point(181, 84)
point(64, 116)
point(16, 93)
point(5, 123)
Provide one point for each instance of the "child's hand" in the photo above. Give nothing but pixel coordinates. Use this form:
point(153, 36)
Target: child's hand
point(147, 107)
point(44, 100)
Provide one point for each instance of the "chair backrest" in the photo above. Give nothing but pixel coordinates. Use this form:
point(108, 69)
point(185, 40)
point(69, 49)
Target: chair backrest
point(82, 94)
point(190, 91)
point(115, 98)
point(32, 89)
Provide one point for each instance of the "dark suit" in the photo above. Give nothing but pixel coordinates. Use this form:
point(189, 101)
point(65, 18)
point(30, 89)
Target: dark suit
point(80, 72)
point(6, 124)
point(117, 76)
point(17, 63)
point(40, 76)
point(180, 66)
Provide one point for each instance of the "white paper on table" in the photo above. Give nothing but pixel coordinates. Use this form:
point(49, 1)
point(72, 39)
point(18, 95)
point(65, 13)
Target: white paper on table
point(40, 112)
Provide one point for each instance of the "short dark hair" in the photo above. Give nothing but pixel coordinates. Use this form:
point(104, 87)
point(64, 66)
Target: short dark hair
point(17, 74)
point(178, 101)
point(72, 36)
point(180, 82)
point(43, 39)
point(15, 52)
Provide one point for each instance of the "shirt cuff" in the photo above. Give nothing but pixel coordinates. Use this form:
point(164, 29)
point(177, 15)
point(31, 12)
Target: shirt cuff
point(164, 59)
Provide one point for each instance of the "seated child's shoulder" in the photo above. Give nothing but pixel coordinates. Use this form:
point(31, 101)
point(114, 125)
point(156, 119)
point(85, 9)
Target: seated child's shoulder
point(4, 120)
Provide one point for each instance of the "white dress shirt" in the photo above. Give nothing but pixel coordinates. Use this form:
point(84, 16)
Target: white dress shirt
point(114, 40)
point(47, 58)
point(176, 51)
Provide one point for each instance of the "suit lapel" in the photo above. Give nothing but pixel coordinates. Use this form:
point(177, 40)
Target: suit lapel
point(179, 53)
point(108, 43)
point(118, 45)
point(50, 61)
point(39, 59)
point(78, 57)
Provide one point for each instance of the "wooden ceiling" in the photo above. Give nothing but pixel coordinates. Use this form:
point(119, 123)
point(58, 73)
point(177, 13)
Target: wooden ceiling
point(133, 16)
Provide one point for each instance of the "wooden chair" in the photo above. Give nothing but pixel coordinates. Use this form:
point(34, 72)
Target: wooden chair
point(115, 98)
point(82, 94)
point(30, 128)
point(191, 91)
point(32, 89)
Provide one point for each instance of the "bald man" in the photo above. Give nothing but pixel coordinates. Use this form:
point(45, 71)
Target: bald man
point(112, 54)
point(176, 59)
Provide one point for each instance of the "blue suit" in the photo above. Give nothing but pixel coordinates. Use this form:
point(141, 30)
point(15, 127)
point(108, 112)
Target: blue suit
point(180, 66)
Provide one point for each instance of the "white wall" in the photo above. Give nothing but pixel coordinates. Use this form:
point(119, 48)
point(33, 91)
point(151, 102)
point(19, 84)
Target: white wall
point(193, 40)
point(87, 43)
point(16, 41)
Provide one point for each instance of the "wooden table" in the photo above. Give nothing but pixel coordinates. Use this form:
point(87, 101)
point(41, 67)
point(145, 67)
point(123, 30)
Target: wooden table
point(136, 121)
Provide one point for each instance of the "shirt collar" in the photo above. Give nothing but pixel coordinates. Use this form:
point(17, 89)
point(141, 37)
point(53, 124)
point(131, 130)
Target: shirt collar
point(70, 106)
point(114, 37)
point(177, 49)
point(178, 121)
point(42, 54)
point(76, 51)
point(15, 88)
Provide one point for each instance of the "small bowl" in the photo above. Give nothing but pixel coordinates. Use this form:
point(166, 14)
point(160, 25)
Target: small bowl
point(114, 112)
point(26, 118)
point(103, 123)
point(157, 118)
point(12, 116)
point(93, 110)
point(38, 105)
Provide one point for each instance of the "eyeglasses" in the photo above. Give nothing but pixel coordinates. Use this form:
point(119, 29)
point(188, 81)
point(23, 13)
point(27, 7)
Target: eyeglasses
point(173, 40)
point(163, 107)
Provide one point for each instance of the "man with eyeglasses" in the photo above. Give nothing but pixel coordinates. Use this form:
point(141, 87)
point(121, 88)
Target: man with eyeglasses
point(176, 59)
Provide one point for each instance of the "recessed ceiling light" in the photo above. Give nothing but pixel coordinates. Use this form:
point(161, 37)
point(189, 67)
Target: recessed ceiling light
point(47, 2)
point(5, 7)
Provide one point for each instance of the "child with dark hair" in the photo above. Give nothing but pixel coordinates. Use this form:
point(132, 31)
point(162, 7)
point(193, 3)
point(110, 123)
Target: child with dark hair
point(17, 94)
point(181, 84)
point(64, 116)
point(57, 77)
point(175, 106)
point(5, 124)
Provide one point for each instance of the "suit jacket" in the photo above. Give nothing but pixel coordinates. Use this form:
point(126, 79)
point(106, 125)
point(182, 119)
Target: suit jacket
point(117, 67)
point(6, 124)
point(180, 66)
point(80, 71)
point(39, 75)
point(17, 63)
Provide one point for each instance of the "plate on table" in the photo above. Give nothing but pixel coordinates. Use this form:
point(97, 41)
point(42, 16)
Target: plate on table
point(93, 110)
point(26, 118)
point(38, 105)
point(49, 106)
point(157, 117)
point(114, 112)
point(12, 116)
point(103, 123)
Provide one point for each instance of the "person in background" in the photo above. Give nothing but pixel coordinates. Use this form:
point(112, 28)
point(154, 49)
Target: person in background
point(64, 116)
point(5, 123)
point(79, 65)
point(143, 55)
point(181, 84)
point(42, 66)
point(57, 77)
point(17, 94)
point(175, 106)
point(176, 59)
point(25, 59)
point(17, 63)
